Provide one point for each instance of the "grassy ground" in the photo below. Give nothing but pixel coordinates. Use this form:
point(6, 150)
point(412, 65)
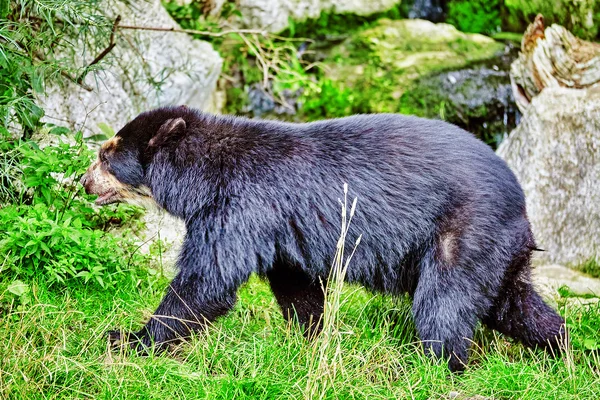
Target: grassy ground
point(55, 348)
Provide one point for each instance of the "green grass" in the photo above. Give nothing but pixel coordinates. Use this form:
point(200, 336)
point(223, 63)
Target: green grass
point(591, 267)
point(55, 347)
point(508, 37)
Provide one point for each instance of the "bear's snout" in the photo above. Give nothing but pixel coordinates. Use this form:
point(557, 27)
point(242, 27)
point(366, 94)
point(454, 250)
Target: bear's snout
point(100, 182)
point(89, 181)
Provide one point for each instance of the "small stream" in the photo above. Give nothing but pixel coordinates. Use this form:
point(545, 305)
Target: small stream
point(432, 10)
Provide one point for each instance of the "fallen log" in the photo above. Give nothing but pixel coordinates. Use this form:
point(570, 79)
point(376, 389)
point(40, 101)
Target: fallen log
point(553, 57)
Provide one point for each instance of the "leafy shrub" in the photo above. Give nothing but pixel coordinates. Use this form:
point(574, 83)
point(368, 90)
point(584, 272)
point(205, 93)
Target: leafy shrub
point(37, 47)
point(36, 243)
point(55, 232)
point(579, 16)
point(477, 16)
point(330, 101)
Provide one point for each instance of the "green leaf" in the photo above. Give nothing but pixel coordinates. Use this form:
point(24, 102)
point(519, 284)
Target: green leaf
point(97, 138)
point(4, 8)
point(59, 130)
point(32, 181)
point(45, 247)
point(79, 136)
point(47, 195)
point(18, 288)
point(37, 81)
point(106, 130)
point(591, 344)
point(76, 238)
point(32, 116)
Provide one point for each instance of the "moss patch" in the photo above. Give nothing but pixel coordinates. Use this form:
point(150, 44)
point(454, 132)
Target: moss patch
point(382, 62)
point(578, 16)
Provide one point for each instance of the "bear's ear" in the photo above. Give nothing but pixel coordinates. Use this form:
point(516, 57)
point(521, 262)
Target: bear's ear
point(171, 129)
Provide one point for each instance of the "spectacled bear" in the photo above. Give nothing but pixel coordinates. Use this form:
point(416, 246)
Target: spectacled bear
point(441, 217)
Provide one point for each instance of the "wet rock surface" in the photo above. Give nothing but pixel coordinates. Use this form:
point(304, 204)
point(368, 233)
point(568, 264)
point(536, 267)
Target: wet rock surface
point(431, 10)
point(478, 98)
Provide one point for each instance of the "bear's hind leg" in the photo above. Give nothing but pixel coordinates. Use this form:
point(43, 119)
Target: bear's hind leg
point(447, 305)
point(520, 312)
point(299, 296)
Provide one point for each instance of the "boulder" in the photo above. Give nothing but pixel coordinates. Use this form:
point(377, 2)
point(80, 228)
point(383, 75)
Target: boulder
point(553, 278)
point(407, 49)
point(555, 154)
point(162, 69)
point(160, 225)
point(274, 15)
point(477, 98)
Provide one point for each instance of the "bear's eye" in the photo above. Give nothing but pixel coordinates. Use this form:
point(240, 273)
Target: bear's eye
point(104, 163)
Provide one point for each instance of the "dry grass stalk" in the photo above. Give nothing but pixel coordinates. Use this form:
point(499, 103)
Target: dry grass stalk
point(326, 360)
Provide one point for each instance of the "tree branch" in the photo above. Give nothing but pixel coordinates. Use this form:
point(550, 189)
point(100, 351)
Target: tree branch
point(111, 45)
point(193, 31)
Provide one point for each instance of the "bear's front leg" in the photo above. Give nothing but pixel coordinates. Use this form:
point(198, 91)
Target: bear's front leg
point(187, 307)
point(212, 265)
point(299, 296)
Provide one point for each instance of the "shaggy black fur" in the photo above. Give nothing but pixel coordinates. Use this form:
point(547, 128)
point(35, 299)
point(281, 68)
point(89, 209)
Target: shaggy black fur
point(442, 218)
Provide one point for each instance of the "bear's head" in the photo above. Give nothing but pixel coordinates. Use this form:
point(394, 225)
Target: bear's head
point(119, 173)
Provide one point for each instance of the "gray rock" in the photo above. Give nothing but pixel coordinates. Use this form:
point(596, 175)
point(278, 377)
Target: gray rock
point(550, 277)
point(478, 98)
point(185, 71)
point(274, 15)
point(555, 153)
point(170, 230)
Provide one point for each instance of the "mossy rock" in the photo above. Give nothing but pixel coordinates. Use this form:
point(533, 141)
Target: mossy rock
point(383, 61)
point(402, 66)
